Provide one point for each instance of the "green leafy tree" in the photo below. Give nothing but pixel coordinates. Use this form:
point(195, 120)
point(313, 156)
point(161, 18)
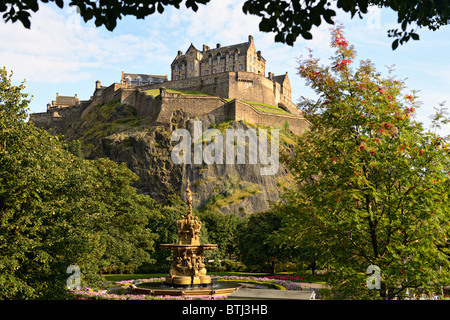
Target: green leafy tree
point(255, 246)
point(58, 210)
point(287, 19)
point(117, 213)
point(164, 224)
point(222, 230)
point(372, 185)
point(74, 147)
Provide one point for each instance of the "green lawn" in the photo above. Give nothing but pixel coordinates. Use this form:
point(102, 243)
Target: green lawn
point(264, 107)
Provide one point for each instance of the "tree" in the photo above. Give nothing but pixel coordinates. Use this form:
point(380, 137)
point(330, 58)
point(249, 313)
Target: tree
point(164, 224)
point(255, 245)
point(58, 210)
point(287, 19)
point(372, 185)
point(221, 231)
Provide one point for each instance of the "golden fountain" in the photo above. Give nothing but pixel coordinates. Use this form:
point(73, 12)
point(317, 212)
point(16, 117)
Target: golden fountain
point(188, 267)
point(188, 273)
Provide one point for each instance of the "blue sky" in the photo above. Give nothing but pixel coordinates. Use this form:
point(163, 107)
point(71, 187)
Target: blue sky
point(63, 54)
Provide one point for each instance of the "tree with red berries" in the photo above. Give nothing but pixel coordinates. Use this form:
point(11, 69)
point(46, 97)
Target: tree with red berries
point(372, 185)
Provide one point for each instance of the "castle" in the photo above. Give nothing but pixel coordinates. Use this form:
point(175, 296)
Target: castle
point(231, 79)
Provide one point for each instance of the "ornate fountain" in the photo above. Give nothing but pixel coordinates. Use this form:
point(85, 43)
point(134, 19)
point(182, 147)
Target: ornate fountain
point(188, 273)
point(188, 267)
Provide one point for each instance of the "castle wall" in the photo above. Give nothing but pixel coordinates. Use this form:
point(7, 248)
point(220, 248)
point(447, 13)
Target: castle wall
point(246, 112)
point(253, 87)
point(232, 85)
point(193, 105)
point(57, 120)
point(214, 84)
point(146, 105)
point(105, 94)
point(237, 85)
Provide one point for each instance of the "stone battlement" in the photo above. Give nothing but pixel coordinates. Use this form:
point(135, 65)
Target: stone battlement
point(230, 75)
point(162, 107)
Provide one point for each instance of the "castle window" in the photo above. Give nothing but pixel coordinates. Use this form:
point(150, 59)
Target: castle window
point(176, 68)
point(231, 68)
point(184, 76)
point(241, 67)
point(176, 77)
point(236, 56)
point(228, 58)
point(206, 72)
point(210, 60)
point(218, 60)
point(214, 71)
point(182, 67)
point(223, 69)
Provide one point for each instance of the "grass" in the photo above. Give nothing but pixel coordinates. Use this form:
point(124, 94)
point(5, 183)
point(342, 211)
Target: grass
point(237, 193)
point(264, 107)
point(270, 110)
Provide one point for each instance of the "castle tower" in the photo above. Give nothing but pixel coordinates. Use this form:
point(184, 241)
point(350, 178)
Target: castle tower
point(232, 58)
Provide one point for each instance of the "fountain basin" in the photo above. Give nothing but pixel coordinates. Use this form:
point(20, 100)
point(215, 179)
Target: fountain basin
point(160, 288)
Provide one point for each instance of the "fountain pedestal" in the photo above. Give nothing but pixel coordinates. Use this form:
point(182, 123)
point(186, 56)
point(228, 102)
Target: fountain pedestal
point(188, 267)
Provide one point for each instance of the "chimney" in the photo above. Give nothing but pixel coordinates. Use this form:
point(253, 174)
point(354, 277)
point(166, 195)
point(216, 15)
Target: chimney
point(57, 94)
point(97, 84)
point(218, 46)
point(179, 53)
point(250, 38)
point(270, 75)
point(75, 96)
point(205, 48)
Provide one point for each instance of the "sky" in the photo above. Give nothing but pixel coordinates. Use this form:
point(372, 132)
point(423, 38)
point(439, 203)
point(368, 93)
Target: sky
point(63, 54)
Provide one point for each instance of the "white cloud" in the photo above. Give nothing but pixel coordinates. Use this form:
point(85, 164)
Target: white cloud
point(60, 48)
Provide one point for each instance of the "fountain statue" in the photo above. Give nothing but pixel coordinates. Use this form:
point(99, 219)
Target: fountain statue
point(188, 273)
point(188, 266)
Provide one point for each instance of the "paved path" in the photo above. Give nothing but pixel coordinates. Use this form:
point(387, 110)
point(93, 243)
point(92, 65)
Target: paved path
point(311, 285)
point(270, 294)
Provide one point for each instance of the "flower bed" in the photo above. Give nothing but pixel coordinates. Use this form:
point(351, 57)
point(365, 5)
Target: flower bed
point(91, 294)
point(287, 277)
point(87, 293)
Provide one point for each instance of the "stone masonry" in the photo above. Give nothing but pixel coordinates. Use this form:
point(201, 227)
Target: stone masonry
point(228, 90)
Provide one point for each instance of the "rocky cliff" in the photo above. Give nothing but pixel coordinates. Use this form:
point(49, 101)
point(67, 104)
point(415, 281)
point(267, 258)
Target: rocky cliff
point(115, 131)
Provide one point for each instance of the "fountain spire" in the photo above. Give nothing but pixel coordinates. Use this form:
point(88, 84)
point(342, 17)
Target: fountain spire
point(188, 268)
point(188, 198)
